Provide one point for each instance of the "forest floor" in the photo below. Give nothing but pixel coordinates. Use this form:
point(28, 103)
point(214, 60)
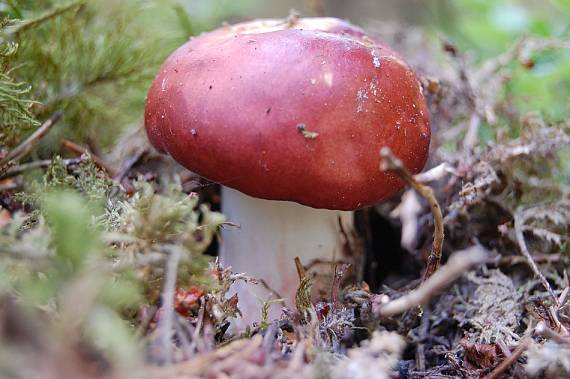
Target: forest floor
point(498, 306)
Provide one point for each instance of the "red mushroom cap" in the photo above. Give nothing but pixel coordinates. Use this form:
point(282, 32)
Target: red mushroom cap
point(290, 112)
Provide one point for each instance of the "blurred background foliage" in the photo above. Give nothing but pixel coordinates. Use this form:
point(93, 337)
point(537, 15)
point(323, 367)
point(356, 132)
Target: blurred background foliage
point(487, 28)
point(95, 59)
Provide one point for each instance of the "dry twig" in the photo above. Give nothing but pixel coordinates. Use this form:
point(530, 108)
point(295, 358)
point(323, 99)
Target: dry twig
point(390, 162)
point(410, 207)
point(80, 150)
point(458, 263)
point(17, 170)
point(508, 362)
point(436, 173)
point(29, 143)
point(520, 218)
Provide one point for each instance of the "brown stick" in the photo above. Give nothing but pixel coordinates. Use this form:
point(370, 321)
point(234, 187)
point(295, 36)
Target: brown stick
point(17, 170)
point(459, 263)
point(508, 362)
point(390, 162)
point(29, 143)
point(80, 150)
point(436, 173)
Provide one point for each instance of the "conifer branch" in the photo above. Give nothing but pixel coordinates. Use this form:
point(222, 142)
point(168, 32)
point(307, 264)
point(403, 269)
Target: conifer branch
point(23, 26)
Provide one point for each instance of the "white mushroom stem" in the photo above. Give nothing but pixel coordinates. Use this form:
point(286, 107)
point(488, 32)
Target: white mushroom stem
point(271, 235)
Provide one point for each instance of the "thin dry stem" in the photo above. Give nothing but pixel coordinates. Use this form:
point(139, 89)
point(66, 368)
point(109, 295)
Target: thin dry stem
point(459, 263)
point(391, 163)
point(508, 362)
point(249, 279)
point(520, 219)
point(438, 172)
point(17, 170)
point(80, 150)
point(29, 143)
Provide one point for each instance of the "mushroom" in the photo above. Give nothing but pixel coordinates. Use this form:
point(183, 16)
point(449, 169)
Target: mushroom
point(289, 116)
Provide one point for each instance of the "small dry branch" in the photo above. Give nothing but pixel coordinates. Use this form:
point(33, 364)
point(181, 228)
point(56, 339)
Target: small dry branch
point(509, 361)
point(436, 173)
point(390, 162)
point(520, 219)
point(459, 263)
point(29, 143)
point(17, 170)
point(80, 150)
